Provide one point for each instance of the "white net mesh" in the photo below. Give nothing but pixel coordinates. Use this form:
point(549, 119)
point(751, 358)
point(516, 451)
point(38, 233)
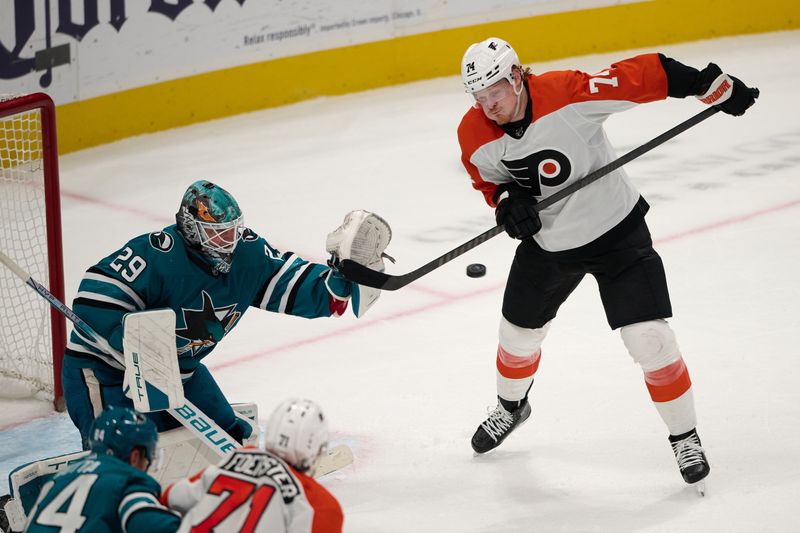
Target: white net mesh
point(26, 362)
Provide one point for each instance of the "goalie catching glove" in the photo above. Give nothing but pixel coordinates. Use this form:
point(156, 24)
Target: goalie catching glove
point(362, 237)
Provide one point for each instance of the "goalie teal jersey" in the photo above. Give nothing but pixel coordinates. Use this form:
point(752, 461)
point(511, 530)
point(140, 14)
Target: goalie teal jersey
point(158, 270)
point(101, 494)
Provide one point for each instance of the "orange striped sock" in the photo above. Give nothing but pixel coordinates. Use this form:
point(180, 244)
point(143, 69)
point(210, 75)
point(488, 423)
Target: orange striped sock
point(668, 383)
point(516, 367)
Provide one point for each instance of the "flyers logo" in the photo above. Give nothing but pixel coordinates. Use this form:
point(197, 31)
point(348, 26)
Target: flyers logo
point(161, 241)
point(546, 168)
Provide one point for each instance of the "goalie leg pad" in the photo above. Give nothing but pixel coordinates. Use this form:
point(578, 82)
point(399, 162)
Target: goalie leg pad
point(26, 481)
point(183, 454)
point(152, 376)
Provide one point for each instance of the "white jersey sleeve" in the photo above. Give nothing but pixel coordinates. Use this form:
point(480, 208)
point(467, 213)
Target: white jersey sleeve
point(250, 490)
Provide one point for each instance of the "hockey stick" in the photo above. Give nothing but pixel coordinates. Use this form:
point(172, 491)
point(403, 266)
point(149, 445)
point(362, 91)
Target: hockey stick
point(189, 415)
point(337, 457)
point(372, 278)
point(154, 377)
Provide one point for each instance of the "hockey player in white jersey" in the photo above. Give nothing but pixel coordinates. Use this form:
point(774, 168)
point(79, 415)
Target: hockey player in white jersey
point(529, 136)
point(265, 491)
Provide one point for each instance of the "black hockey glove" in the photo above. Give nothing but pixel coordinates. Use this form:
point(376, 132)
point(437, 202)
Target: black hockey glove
point(516, 211)
point(240, 430)
point(711, 86)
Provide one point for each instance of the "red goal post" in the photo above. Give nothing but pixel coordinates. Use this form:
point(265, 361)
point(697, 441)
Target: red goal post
point(32, 334)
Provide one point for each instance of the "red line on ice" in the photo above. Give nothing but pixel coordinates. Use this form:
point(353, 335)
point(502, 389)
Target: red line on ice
point(454, 298)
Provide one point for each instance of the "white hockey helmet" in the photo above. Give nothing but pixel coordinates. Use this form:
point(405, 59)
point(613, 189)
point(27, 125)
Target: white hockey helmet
point(297, 432)
point(487, 62)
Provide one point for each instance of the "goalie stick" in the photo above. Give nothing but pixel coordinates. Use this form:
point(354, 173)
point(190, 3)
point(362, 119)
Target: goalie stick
point(362, 275)
point(337, 457)
point(154, 377)
point(189, 415)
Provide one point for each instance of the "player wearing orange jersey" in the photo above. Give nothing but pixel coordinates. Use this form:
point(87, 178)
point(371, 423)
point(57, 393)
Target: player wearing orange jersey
point(265, 491)
point(529, 136)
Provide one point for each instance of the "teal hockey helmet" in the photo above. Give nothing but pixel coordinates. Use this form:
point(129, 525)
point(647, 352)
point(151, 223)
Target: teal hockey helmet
point(210, 221)
point(117, 431)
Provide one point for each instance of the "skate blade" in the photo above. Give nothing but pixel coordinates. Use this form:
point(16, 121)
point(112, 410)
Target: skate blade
point(483, 454)
point(700, 487)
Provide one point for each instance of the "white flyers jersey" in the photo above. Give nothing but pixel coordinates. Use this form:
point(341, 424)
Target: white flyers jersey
point(254, 491)
point(564, 142)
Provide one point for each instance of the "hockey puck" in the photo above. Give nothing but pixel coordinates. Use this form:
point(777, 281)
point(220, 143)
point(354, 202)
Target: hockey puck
point(476, 270)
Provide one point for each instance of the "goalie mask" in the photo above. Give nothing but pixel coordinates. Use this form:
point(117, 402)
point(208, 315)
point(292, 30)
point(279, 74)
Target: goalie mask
point(211, 222)
point(297, 432)
point(117, 431)
point(487, 62)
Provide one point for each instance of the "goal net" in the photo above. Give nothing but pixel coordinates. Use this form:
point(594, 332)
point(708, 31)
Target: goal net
point(32, 335)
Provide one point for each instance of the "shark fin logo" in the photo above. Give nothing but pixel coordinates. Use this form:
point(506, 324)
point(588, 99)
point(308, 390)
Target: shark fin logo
point(205, 327)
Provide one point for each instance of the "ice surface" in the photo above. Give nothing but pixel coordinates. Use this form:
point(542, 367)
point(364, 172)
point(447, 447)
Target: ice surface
point(407, 385)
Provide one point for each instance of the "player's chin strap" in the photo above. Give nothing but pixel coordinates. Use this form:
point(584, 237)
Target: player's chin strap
point(362, 238)
point(518, 94)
